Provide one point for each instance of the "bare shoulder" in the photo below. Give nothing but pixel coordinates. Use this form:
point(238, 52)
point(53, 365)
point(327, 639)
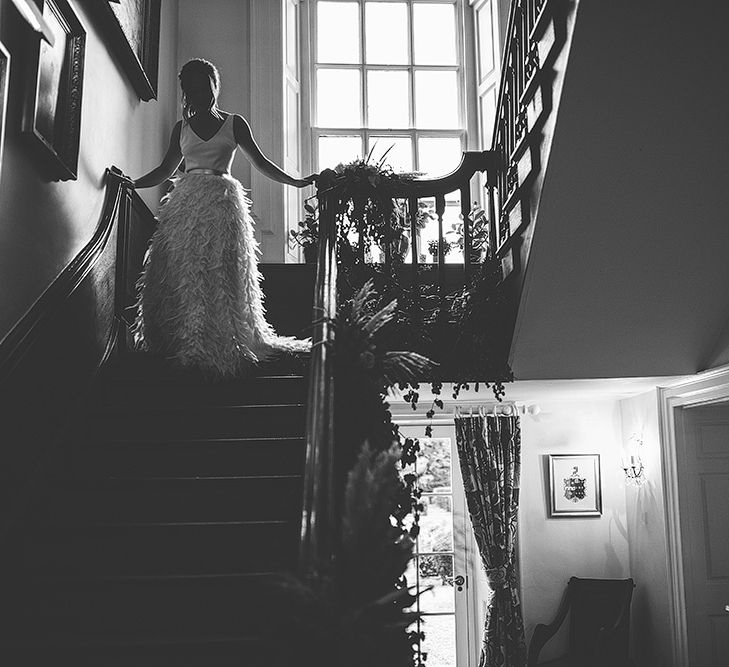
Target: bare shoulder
point(175, 134)
point(241, 128)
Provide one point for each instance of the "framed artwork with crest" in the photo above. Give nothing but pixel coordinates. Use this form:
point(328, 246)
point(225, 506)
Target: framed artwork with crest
point(574, 485)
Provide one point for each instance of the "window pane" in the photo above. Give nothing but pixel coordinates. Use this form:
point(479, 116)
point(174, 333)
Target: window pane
point(399, 152)
point(338, 32)
point(338, 98)
point(412, 578)
point(333, 150)
point(486, 59)
point(439, 155)
point(440, 641)
point(437, 571)
point(488, 117)
point(436, 99)
point(453, 228)
point(387, 99)
point(434, 465)
point(386, 39)
point(436, 524)
point(435, 34)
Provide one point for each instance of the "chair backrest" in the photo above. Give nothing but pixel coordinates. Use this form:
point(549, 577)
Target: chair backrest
point(596, 604)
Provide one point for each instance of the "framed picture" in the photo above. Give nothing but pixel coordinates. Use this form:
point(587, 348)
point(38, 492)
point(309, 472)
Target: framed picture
point(52, 109)
point(574, 485)
point(4, 74)
point(131, 29)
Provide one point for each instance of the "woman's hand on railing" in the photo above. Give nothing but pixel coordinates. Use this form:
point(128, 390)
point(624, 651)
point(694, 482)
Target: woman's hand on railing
point(124, 180)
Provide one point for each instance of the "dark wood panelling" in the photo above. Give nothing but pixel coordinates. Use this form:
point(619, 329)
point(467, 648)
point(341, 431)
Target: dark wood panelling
point(48, 360)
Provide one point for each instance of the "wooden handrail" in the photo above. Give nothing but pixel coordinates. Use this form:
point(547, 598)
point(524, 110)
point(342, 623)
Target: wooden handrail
point(471, 162)
point(317, 521)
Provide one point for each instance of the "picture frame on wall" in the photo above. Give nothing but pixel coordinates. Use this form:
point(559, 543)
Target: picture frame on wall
point(131, 29)
point(575, 488)
point(52, 108)
point(4, 78)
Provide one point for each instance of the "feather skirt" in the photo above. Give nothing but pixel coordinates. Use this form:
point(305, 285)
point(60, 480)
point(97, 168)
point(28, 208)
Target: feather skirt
point(200, 299)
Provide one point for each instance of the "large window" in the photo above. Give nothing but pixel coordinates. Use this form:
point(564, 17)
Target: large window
point(387, 76)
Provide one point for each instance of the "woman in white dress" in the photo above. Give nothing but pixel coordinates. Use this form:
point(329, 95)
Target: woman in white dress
point(200, 300)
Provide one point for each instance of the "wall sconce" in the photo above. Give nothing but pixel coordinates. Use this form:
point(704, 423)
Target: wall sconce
point(632, 462)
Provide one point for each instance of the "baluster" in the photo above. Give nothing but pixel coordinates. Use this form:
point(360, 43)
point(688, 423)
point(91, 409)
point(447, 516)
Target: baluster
point(492, 180)
point(439, 211)
point(413, 211)
point(467, 243)
point(361, 249)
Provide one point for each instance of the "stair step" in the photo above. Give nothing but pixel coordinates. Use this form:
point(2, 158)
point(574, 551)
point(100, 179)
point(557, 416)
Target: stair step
point(134, 391)
point(182, 499)
point(92, 607)
point(134, 651)
point(144, 367)
point(123, 424)
point(161, 549)
point(142, 458)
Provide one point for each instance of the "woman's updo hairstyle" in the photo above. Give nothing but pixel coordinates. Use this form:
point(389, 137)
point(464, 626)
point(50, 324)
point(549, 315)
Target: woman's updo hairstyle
point(200, 84)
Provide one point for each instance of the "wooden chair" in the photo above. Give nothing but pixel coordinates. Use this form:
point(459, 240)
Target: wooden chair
point(599, 624)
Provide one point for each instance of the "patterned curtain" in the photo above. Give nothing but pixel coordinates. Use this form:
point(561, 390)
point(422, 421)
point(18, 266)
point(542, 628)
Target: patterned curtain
point(489, 451)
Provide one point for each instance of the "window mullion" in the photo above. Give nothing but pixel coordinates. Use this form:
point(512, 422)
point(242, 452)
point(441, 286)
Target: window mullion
point(363, 50)
point(411, 68)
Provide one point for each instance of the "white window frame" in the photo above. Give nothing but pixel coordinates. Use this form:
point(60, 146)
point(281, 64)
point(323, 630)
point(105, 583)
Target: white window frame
point(466, 132)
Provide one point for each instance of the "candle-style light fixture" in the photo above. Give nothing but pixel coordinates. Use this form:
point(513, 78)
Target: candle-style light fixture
point(633, 463)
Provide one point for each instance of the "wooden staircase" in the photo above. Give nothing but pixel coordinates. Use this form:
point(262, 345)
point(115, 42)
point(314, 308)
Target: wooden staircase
point(162, 527)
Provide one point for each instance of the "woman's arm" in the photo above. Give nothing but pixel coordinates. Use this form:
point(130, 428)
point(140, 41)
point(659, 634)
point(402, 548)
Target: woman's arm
point(244, 137)
point(169, 165)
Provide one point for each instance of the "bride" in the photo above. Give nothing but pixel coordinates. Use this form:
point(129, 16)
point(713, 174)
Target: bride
point(200, 300)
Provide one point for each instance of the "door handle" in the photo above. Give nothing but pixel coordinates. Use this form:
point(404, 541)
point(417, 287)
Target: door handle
point(459, 581)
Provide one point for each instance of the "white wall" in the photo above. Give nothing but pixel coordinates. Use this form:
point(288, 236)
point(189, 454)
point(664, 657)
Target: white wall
point(651, 632)
point(554, 549)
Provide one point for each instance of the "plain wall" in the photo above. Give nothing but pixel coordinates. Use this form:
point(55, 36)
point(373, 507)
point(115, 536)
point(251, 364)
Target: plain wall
point(628, 274)
point(651, 632)
point(554, 549)
point(44, 224)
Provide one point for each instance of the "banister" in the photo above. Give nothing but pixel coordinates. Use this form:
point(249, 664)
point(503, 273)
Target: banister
point(471, 162)
point(317, 520)
point(520, 63)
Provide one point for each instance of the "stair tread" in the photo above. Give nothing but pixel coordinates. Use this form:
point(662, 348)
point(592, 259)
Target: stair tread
point(152, 578)
point(132, 639)
point(114, 410)
point(200, 441)
point(177, 478)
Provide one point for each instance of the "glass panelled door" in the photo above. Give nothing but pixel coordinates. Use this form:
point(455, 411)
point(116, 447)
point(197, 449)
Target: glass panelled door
point(440, 567)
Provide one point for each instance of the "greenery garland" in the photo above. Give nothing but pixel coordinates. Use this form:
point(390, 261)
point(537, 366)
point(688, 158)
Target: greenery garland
point(455, 329)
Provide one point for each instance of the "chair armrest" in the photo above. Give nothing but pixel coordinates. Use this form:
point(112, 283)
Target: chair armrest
point(541, 636)
point(605, 633)
point(543, 633)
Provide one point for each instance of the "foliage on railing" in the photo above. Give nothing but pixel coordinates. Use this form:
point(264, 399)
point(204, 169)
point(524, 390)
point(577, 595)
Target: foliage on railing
point(374, 213)
point(383, 307)
point(352, 608)
point(358, 611)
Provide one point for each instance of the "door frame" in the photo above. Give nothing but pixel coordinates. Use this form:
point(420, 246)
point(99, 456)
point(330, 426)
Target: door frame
point(704, 388)
point(472, 630)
